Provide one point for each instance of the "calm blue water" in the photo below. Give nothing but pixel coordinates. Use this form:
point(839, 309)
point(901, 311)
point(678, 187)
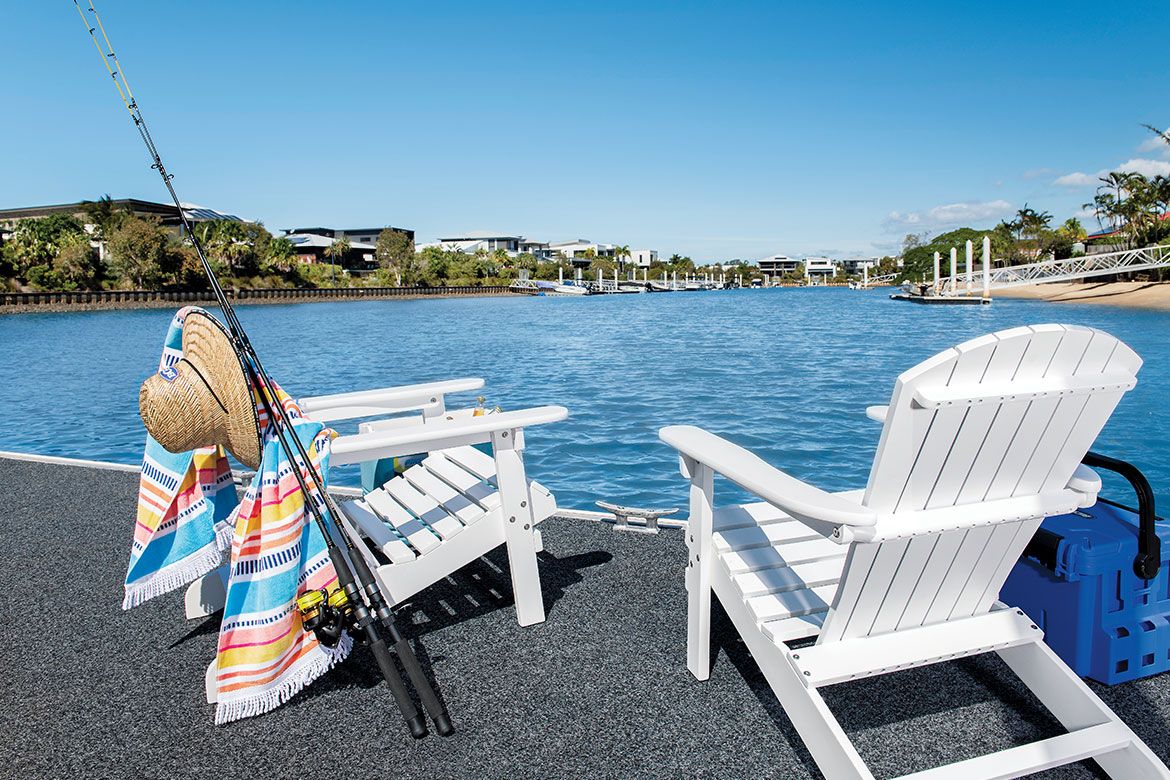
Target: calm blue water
point(787, 373)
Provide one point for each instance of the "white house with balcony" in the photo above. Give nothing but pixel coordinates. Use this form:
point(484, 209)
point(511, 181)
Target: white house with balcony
point(642, 258)
point(477, 241)
point(580, 251)
point(778, 265)
point(819, 268)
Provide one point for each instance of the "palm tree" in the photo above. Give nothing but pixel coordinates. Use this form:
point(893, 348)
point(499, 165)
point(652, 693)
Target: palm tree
point(336, 252)
point(620, 253)
point(1073, 229)
point(1164, 135)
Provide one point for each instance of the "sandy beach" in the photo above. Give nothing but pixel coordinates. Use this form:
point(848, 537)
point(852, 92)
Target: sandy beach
point(1142, 295)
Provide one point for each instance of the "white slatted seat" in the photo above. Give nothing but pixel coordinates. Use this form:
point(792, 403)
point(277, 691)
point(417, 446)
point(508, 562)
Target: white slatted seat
point(978, 445)
point(457, 505)
point(436, 517)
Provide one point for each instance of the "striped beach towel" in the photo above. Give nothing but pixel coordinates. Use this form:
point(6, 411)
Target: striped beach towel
point(264, 654)
point(188, 514)
point(185, 501)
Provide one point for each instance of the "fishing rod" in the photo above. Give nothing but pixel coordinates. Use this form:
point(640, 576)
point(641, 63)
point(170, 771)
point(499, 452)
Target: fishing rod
point(357, 583)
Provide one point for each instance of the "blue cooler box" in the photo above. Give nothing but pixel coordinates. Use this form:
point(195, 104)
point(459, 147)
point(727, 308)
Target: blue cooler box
point(1076, 580)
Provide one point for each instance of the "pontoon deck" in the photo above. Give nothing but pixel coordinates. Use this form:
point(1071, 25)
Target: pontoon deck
point(600, 690)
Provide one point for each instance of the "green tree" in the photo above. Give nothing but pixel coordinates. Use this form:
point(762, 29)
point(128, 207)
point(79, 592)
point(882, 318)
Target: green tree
point(435, 264)
point(394, 252)
point(138, 252)
point(36, 242)
point(76, 265)
point(336, 253)
point(1072, 229)
point(621, 254)
point(103, 215)
point(278, 256)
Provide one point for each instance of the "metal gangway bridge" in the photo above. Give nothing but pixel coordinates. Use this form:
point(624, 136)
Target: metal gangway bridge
point(971, 281)
point(1067, 270)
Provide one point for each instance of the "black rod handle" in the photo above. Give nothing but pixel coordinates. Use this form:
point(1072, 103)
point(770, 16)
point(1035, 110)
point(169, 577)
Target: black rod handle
point(369, 625)
point(414, 720)
point(426, 693)
point(1149, 557)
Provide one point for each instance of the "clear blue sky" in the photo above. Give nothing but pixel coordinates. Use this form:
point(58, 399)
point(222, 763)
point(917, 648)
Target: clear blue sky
point(714, 130)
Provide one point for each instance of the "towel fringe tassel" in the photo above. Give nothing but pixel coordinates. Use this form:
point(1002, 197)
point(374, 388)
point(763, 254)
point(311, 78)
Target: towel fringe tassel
point(182, 572)
point(304, 672)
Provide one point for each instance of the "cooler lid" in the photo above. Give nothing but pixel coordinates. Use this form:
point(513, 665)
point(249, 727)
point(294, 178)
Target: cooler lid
point(1093, 541)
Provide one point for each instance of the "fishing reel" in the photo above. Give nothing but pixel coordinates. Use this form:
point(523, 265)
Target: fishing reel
point(326, 614)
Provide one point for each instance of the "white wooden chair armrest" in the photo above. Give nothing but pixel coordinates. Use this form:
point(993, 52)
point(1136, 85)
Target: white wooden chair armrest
point(799, 499)
point(1087, 483)
point(439, 434)
point(877, 413)
point(405, 398)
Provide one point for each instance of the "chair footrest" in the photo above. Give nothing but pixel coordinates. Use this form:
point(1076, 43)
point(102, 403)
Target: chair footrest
point(1036, 756)
point(851, 659)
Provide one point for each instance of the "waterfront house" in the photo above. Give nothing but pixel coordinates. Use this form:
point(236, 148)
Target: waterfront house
point(778, 265)
point(167, 214)
point(476, 241)
point(642, 258)
point(311, 248)
point(855, 265)
point(819, 269)
point(580, 251)
point(367, 235)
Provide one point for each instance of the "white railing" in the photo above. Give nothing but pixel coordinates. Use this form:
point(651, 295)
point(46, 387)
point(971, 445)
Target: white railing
point(884, 280)
point(1067, 270)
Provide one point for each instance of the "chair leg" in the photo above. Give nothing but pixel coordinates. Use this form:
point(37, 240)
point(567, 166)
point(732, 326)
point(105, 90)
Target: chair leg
point(207, 595)
point(1076, 707)
point(519, 528)
point(698, 575)
point(818, 728)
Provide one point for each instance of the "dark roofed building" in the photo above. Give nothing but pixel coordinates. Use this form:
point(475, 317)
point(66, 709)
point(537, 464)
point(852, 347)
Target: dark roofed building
point(360, 235)
point(167, 213)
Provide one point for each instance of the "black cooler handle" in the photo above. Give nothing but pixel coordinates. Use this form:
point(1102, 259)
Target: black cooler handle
point(1149, 557)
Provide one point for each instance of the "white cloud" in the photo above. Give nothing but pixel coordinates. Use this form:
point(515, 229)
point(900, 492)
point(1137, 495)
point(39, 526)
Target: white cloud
point(1145, 167)
point(1037, 173)
point(1078, 179)
point(1155, 144)
point(1142, 165)
point(948, 215)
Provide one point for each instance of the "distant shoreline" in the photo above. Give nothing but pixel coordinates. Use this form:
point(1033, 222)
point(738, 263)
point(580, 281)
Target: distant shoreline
point(1137, 295)
point(58, 308)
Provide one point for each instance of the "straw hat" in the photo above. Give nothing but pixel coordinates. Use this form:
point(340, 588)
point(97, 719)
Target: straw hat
point(205, 398)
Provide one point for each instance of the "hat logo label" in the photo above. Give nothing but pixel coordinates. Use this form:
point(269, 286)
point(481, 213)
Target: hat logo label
point(170, 373)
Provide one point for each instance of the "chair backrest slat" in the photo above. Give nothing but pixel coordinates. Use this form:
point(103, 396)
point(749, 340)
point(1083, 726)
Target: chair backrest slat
point(979, 442)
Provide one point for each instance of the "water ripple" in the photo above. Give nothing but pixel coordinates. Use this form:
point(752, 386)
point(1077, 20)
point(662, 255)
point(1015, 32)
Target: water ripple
point(787, 373)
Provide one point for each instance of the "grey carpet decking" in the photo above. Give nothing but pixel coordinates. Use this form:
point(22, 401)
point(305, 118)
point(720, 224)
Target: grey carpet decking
point(599, 690)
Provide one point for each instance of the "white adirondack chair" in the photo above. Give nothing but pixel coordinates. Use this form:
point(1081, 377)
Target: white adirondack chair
point(978, 445)
point(457, 505)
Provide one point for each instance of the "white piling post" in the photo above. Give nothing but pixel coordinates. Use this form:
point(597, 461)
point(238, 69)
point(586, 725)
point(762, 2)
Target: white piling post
point(865, 276)
point(970, 262)
point(674, 280)
point(987, 266)
point(560, 275)
point(937, 262)
point(954, 267)
point(615, 281)
point(645, 275)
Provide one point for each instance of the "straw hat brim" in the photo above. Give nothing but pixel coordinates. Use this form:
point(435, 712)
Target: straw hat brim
point(205, 398)
point(208, 346)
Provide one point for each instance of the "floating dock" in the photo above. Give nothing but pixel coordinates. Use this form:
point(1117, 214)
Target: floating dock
point(940, 299)
point(613, 647)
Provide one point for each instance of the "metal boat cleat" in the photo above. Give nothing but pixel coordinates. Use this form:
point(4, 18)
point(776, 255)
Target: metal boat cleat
point(647, 518)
